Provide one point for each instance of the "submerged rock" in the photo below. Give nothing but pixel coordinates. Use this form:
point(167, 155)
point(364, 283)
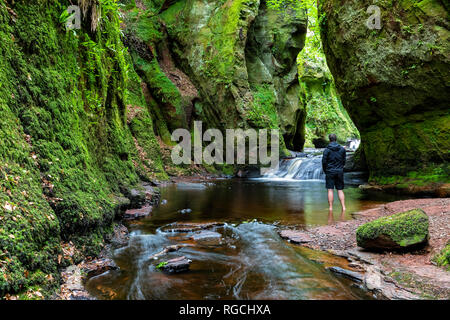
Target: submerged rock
point(98, 267)
point(398, 231)
point(206, 235)
point(168, 249)
point(208, 238)
point(176, 265)
point(190, 227)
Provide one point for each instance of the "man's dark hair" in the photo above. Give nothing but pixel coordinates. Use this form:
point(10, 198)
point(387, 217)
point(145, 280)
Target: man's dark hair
point(332, 137)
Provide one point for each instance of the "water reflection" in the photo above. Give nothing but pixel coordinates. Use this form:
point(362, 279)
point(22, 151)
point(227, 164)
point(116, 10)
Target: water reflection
point(289, 202)
point(246, 260)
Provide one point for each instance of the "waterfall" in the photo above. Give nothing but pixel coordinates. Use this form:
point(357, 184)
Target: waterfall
point(353, 144)
point(306, 168)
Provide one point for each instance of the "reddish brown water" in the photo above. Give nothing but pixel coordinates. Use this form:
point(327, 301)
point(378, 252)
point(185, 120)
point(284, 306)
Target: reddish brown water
point(247, 259)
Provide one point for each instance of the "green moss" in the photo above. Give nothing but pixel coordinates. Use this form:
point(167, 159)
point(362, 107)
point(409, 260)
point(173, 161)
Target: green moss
point(401, 109)
point(173, 13)
point(404, 229)
point(161, 85)
point(325, 113)
point(66, 149)
point(263, 113)
point(144, 24)
point(418, 285)
point(443, 258)
point(142, 128)
point(428, 175)
point(225, 25)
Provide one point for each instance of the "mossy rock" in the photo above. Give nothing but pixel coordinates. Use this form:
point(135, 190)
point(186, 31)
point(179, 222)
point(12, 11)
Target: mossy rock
point(399, 231)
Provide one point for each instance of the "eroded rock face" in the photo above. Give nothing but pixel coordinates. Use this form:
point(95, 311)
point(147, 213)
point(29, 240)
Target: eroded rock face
point(394, 82)
point(241, 56)
point(274, 42)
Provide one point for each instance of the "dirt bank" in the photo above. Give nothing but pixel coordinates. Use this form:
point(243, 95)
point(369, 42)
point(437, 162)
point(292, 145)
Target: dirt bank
point(394, 275)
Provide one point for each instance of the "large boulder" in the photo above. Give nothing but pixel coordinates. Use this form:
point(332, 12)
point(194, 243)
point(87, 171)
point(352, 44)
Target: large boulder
point(398, 231)
point(393, 81)
point(275, 39)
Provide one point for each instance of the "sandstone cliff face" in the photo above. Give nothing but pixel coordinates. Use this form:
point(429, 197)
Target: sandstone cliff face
point(241, 58)
point(274, 42)
point(394, 82)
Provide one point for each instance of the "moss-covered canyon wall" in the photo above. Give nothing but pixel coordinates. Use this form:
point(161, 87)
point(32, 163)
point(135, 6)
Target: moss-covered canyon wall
point(394, 82)
point(325, 113)
point(67, 150)
point(229, 63)
point(87, 114)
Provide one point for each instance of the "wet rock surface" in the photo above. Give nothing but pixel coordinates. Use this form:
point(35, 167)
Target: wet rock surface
point(190, 227)
point(99, 266)
point(355, 276)
point(295, 236)
point(427, 190)
point(207, 238)
point(204, 235)
point(142, 201)
point(176, 265)
point(74, 277)
point(168, 249)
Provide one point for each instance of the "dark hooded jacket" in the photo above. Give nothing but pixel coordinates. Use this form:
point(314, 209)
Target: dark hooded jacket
point(333, 159)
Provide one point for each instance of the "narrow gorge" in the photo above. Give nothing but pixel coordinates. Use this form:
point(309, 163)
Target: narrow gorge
point(88, 113)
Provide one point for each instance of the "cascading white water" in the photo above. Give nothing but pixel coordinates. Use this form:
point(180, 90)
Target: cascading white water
point(307, 168)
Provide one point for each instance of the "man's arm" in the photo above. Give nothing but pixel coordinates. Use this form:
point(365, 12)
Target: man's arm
point(325, 160)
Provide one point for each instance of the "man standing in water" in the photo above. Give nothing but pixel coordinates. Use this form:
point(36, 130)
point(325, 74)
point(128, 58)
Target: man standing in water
point(333, 162)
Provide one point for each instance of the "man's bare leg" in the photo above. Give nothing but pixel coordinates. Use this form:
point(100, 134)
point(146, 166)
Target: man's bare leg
point(330, 199)
point(341, 199)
